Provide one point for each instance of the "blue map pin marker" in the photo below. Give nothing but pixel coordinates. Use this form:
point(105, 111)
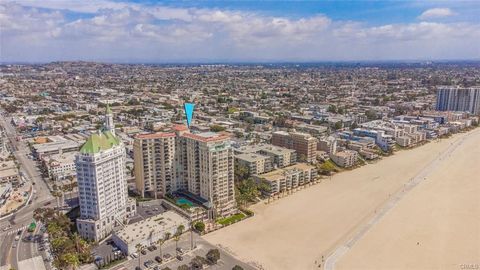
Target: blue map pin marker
point(189, 107)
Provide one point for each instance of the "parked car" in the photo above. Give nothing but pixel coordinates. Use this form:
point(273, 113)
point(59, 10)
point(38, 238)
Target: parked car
point(143, 252)
point(158, 259)
point(180, 250)
point(179, 257)
point(134, 255)
point(138, 268)
point(148, 263)
point(150, 248)
point(167, 256)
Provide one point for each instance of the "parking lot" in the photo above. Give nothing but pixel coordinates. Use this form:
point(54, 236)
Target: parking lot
point(170, 259)
point(146, 210)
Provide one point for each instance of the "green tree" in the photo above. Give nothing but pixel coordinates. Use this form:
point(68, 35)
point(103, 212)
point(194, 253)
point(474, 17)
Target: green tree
point(241, 172)
point(183, 267)
point(338, 125)
point(213, 255)
point(198, 262)
point(71, 260)
point(199, 226)
point(332, 109)
point(247, 191)
point(217, 128)
point(237, 267)
point(327, 168)
point(354, 126)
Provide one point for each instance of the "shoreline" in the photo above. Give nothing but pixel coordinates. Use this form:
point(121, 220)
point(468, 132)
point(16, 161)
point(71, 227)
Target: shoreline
point(356, 201)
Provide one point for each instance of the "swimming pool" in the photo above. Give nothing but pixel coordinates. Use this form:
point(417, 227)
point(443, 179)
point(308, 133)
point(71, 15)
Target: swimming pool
point(181, 201)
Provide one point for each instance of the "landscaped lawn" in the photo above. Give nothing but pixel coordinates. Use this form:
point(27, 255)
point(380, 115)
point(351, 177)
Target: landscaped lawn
point(231, 219)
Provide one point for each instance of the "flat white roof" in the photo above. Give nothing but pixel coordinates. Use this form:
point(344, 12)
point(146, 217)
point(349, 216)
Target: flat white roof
point(166, 221)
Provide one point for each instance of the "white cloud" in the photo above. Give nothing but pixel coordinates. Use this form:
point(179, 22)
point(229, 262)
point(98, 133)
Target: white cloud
point(434, 13)
point(84, 6)
point(123, 32)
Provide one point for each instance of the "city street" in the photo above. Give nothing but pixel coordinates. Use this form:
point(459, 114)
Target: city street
point(13, 251)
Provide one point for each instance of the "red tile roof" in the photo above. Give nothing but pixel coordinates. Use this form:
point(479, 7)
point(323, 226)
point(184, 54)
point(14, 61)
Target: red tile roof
point(217, 137)
point(156, 135)
point(178, 127)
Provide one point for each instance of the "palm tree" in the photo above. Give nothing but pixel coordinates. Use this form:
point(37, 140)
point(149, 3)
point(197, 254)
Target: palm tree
point(177, 235)
point(77, 241)
point(139, 248)
point(191, 234)
point(150, 236)
point(72, 260)
point(161, 241)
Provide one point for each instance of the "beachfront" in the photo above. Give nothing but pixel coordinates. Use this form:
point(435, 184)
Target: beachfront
point(436, 226)
point(303, 229)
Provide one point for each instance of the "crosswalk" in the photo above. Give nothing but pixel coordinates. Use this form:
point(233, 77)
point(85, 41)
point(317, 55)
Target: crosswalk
point(14, 231)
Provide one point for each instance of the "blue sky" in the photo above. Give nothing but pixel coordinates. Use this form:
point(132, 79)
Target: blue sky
point(202, 31)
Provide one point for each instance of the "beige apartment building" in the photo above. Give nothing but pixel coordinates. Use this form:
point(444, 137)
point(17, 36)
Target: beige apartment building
point(288, 178)
point(255, 163)
point(209, 170)
point(304, 144)
point(345, 159)
point(280, 157)
point(154, 159)
point(199, 165)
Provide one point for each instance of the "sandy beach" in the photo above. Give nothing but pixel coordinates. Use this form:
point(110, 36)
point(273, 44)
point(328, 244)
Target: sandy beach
point(295, 232)
point(436, 226)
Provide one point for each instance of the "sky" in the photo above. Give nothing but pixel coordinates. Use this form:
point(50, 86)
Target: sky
point(238, 31)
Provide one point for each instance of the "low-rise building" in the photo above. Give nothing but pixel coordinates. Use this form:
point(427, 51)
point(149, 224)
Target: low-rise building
point(345, 159)
point(328, 145)
point(288, 178)
point(9, 173)
point(55, 145)
point(60, 166)
point(148, 231)
point(255, 163)
point(280, 157)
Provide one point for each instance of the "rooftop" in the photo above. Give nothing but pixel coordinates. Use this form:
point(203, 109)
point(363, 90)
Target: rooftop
point(166, 221)
point(279, 173)
point(207, 136)
point(98, 142)
point(179, 127)
point(156, 135)
point(250, 157)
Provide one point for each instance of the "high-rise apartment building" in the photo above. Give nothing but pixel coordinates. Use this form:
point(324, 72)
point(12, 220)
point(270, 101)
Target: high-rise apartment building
point(209, 164)
point(154, 157)
point(199, 164)
point(303, 143)
point(454, 98)
point(102, 184)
